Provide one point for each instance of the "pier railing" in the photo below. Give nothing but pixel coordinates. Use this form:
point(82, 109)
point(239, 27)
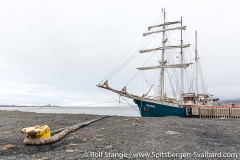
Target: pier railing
point(219, 112)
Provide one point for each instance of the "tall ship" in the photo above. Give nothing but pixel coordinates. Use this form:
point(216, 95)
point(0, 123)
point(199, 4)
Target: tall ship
point(171, 71)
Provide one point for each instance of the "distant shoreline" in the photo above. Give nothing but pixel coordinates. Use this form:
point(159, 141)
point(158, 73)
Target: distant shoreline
point(118, 111)
point(25, 106)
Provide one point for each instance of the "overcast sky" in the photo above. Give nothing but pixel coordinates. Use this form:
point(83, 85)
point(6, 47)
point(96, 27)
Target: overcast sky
point(56, 51)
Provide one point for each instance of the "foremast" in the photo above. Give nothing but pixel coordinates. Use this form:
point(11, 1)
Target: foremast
point(182, 71)
point(163, 55)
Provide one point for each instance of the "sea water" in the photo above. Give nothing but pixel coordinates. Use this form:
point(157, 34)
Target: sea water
point(118, 111)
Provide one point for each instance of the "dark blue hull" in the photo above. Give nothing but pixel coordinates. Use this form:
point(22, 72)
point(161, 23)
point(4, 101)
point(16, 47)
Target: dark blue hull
point(149, 109)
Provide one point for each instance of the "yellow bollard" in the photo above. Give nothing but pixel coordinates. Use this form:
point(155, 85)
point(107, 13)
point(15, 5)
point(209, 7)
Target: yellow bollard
point(39, 131)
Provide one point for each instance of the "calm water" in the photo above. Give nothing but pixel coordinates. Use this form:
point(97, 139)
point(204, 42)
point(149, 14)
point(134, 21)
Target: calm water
point(119, 111)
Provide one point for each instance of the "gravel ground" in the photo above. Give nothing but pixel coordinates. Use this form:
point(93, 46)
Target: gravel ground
point(123, 137)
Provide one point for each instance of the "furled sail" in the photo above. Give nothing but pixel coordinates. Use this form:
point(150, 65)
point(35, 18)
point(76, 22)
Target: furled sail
point(166, 66)
point(148, 33)
point(164, 24)
point(165, 47)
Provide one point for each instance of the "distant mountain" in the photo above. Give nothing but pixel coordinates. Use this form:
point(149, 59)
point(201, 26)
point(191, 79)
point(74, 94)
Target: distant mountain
point(228, 102)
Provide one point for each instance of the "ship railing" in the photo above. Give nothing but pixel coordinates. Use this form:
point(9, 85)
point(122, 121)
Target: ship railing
point(160, 99)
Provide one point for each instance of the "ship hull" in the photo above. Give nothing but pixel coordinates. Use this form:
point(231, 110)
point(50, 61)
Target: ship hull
point(151, 109)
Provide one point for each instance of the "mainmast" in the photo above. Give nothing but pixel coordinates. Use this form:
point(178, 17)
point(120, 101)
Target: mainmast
point(196, 62)
point(163, 55)
point(182, 70)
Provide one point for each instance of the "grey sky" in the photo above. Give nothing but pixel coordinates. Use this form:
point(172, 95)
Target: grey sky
point(56, 51)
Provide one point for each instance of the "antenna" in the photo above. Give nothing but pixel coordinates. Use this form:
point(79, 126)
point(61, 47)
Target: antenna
point(163, 10)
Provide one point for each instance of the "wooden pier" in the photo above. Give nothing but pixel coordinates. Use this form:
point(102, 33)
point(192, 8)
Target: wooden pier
point(226, 112)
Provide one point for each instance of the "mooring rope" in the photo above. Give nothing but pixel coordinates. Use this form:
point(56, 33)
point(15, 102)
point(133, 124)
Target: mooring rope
point(62, 133)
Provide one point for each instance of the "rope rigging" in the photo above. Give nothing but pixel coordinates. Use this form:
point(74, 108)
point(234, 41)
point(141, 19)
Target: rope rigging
point(119, 100)
point(134, 55)
point(180, 80)
point(130, 105)
point(117, 69)
point(151, 84)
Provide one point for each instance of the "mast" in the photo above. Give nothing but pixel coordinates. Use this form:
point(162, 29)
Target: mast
point(182, 69)
point(163, 55)
point(163, 62)
point(196, 62)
